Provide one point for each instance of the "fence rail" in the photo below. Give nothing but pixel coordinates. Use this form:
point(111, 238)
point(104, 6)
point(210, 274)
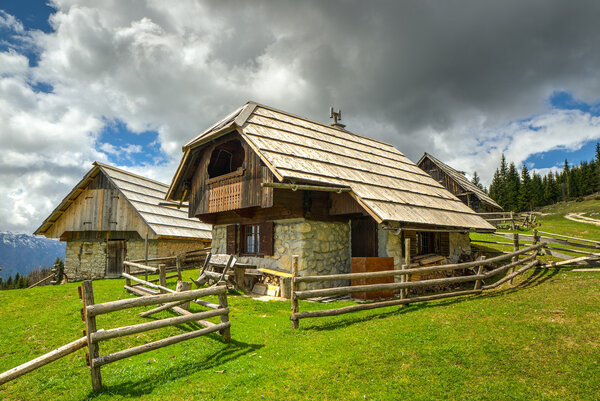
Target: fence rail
point(478, 278)
point(94, 336)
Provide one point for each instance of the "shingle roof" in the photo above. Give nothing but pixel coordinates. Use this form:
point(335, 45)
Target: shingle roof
point(461, 180)
point(144, 195)
point(385, 183)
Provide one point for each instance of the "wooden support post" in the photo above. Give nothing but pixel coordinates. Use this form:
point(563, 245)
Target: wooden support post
point(146, 255)
point(512, 221)
point(178, 264)
point(293, 291)
point(479, 272)
point(90, 328)
point(405, 278)
point(162, 277)
point(184, 286)
point(128, 271)
point(515, 249)
point(226, 332)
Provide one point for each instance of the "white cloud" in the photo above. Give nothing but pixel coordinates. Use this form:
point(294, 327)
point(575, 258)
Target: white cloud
point(422, 78)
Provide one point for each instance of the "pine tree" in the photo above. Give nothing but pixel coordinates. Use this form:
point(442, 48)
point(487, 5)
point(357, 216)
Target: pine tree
point(477, 181)
point(495, 187)
point(525, 191)
point(598, 153)
point(9, 283)
point(512, 188)
point(537, 190)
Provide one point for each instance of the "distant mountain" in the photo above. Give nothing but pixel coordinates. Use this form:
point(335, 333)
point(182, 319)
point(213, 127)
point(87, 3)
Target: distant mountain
point(22, 253)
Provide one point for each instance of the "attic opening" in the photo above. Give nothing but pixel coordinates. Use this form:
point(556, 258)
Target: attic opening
point(226, 158)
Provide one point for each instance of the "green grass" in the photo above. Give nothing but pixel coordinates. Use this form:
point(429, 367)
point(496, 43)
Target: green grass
point(540, 341)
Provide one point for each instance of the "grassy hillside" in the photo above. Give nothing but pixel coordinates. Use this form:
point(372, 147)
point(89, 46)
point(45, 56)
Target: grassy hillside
point(538, 342)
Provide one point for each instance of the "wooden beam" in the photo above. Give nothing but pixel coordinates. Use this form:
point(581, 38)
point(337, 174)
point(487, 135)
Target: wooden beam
point(43, 360)
point(304, 187)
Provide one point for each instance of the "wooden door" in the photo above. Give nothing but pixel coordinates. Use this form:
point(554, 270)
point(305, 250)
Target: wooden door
point(115, 255)
point(364, 237)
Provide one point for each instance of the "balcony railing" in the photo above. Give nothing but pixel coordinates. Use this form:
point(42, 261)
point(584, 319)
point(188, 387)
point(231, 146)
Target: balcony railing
point(225, 192)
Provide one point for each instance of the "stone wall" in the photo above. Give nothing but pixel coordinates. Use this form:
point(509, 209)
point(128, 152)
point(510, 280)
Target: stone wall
point(85, 260)
point(175, 246)
point(459, 245)
point(322, 247)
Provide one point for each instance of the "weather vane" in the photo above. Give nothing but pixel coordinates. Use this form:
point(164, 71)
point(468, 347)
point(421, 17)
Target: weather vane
point(337, 116)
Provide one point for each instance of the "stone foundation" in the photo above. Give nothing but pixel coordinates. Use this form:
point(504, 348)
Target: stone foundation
point(322, 247)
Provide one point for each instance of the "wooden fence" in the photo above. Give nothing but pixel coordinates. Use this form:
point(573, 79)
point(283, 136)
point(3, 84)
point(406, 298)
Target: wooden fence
point(496, 219)
point(585, 250)
point(478, 278)
point(94, 336)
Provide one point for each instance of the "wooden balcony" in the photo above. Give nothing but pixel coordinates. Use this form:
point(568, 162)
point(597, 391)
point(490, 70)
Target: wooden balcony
point(225, 192)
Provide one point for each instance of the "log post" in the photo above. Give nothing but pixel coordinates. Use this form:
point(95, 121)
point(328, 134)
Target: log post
point(162, 277)
point(178, 264)
point(184, 286)
point(515, 249)
point(479, 272)
point(512, 221)
point(127, 280)
point(405, 278)
point(226, 332)
point(90, 327)
point(293, 291)
point(146, 255)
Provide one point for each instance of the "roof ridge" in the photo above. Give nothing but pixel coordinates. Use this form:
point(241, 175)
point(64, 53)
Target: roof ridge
point(104, 165)
point(321, 124)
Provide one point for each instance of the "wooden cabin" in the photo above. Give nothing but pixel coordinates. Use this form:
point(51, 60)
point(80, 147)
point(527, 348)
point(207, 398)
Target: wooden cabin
point(456, 182)
point(275, 185)
point(112, 214)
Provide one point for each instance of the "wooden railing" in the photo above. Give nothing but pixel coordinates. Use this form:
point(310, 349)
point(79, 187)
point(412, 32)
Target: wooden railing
point(94, 336)
point(225, 192)
point(479, 277)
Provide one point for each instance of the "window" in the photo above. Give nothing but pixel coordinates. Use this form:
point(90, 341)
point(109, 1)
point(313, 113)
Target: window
point(253, 239)
point(428, 242)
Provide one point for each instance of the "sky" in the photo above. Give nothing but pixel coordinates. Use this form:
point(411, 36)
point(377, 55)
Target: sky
point(129, 82)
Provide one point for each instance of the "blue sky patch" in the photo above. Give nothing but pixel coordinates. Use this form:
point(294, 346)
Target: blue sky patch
point(127, 148)
point(556, 157)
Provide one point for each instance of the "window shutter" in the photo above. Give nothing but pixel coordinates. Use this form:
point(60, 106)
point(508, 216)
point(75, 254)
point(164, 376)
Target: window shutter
point(232, 239)
point(445, 244)
point(266, 238)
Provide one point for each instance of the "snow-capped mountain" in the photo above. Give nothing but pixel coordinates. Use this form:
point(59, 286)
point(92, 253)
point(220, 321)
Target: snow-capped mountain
point(22, 253)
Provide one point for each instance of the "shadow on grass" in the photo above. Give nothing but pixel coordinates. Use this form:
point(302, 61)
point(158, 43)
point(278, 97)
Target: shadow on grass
point(538, 277)
point(142, 386)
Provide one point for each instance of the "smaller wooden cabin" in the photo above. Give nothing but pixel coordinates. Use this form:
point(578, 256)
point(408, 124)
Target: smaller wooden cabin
point(275, 185)
point(112, 214)
point(456, 182)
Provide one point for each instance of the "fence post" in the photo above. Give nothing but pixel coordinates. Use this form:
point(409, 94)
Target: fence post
point(178, 264)
point(90, 327)
point(162, 277)
point(479, 271)
point(128, 271)
point(404, 277)
point(512, 221)
point(184, 286)
point(146, 256)
point(293, 291)
point(515, 249)
point(226, 332)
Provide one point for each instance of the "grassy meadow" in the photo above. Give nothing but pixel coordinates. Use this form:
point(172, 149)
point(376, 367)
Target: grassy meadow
point(536, 340)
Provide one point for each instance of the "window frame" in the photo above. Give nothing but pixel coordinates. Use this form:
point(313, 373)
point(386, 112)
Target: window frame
point(244, 240)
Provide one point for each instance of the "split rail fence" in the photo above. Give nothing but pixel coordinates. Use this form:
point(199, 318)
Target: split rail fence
point(582, 251)
point(94, 336)
point(479, 278)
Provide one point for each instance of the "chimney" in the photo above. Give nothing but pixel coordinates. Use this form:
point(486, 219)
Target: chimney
point(336, 117)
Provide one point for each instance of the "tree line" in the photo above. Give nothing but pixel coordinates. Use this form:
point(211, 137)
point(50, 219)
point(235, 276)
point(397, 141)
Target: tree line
point(521, 191)
point(22, 281)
